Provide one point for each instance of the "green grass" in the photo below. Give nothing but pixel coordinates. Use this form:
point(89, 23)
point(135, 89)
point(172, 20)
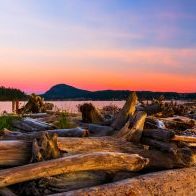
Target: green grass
point(63, 121)
point(6, 121)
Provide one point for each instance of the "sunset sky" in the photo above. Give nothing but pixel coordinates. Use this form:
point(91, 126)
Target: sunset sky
point(98, 44)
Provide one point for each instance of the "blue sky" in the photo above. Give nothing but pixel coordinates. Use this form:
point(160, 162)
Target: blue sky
point(122, 37)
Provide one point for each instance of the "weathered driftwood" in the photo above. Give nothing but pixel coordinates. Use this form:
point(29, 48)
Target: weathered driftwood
point(74, 132)
point(133, 134)
point(81, 162)
point(171, 182)
point(157, 158)
point(14, 153)
point(90, 114)
point(158, 134)
point(127, 111)
point(99, 130)
point(45, 148)
point(29, 125)
point(184, 138)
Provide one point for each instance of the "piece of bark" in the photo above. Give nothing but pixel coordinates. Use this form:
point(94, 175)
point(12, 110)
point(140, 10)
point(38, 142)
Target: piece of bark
point(133, 134)
point(171, 182)
point(158, 134)
point(6, 192)
point(127, 111)
point(81, 162)
point(184, 138)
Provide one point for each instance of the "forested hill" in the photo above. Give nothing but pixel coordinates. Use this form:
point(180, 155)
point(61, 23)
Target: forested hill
point(67, 92)
point(9, 94)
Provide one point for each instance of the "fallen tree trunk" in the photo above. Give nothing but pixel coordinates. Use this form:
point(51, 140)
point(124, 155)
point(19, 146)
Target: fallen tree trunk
point(74, 132)
point(29, 124)
point(105, 144)
point(157, 158)
point(172, 182)
point(81, 162)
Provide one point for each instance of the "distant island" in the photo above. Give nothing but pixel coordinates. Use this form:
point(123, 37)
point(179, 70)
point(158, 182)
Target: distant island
point(67, 92)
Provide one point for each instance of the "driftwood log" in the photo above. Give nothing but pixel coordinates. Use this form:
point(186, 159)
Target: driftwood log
point(81, 162)
point(74, 132)
point(171, 182)
point(13, 153)
point(157, 158)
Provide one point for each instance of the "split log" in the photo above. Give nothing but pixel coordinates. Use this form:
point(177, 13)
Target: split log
point(171, 182)
point(127, 111)
point(133, 134)
point(184, 138)
point(81, 162)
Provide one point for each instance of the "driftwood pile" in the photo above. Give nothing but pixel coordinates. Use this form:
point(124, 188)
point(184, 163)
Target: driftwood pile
point(97, 159)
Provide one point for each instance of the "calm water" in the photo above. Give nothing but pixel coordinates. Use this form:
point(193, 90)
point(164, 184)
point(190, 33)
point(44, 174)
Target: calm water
point(69, 106)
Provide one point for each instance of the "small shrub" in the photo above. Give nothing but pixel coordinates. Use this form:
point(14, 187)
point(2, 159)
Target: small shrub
point(6, 121)
point(63, 121)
